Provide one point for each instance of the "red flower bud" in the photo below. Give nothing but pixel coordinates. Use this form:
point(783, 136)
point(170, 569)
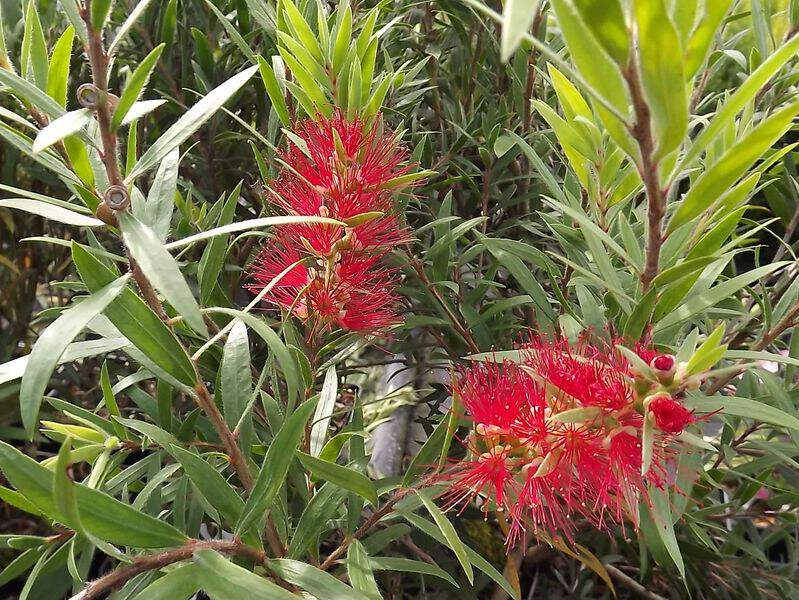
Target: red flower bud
point(670, 415)
point(664, 363)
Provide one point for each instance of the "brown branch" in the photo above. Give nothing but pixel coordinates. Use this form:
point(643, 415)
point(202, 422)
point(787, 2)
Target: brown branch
point(116, 579)
point(364, 529)
point(641, 131)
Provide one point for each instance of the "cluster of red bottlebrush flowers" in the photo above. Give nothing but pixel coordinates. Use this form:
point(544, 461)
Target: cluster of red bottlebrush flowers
point(349, 170)
point(558, 438)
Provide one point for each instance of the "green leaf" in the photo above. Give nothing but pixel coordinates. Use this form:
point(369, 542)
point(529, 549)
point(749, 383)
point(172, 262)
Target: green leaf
point(714, 295)
point(322, 507)
point(661, 515)
point(662, 73)
point(134, 16)
point(190, 122)
point(740, 98)
point(343, 39)
point(63, 489)
point(344, 477)
point(64, 126)
point(478, 561)
point(222, 580)
point(321, 418)
point(157, 211)
point(235, 374)
point(30, 94)
point(101, 9)
point(406, 565)
point(136, 321)
point(211, 483)
point(250, 225)
point(52, 344)
point(732, 165)
point(359, 571)
point(302, 30)
point(276, 465)
point(446, 528)
point(743, 407)
point(599, 71)
point(276, 346)
point(275, 92)
point(161, 269)
point(517, 16)
point(700, 41)
point(135, 85)
point(58, 71)
point(213, 258)
point(314, 581)
point(709, 353)
point(51, 211)
point(605, 19)
point(33, 59)
point(102, 516)
point(179, 584)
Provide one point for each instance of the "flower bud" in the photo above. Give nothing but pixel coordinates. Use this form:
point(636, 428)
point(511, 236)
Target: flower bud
point(669, 413)
point(664, 365)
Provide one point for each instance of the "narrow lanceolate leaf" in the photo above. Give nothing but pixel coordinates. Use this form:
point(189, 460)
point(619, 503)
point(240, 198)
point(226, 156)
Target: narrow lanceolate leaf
point(51, 211)
point(605, 19)
point(321, 418)
point(213, 485)
point(136, 321)
point(735, 103)
point(701, 39)
point(359, 571)
point(276, 465)
point(29, 93)
point(102, 516)
point(236, 376)
point(190, 122)
point(341, 476)
point(662, 73)
point(179, 584)
point(446, 528)
point(58, 73)
point(62, 127)
point(130, 21)
point(63, 489)
point(222, 580)
point(157, 211)
point(52, 344)
point(517, 15)
point(661, 515)
point(213, 258)
point(135, 85)
point(161, 269)
point(249, 225)
point(318, 583)
point(744, 407)
point(732, 165)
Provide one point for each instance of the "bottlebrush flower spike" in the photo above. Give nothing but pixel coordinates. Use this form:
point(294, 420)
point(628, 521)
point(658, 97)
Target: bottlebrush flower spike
point(348, 170)
point(557, 439)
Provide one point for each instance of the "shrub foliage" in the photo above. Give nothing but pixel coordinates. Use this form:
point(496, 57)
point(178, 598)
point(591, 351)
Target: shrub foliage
point(398, 300)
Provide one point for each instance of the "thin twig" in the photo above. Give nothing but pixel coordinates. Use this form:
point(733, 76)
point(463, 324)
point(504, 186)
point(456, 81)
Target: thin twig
point(116, 579)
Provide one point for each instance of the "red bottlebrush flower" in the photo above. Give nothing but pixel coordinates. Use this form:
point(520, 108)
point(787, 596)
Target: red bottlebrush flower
point(592, 375)
point(556, 439)
point(346, 170)
point(356, 293)
point(670, 415)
